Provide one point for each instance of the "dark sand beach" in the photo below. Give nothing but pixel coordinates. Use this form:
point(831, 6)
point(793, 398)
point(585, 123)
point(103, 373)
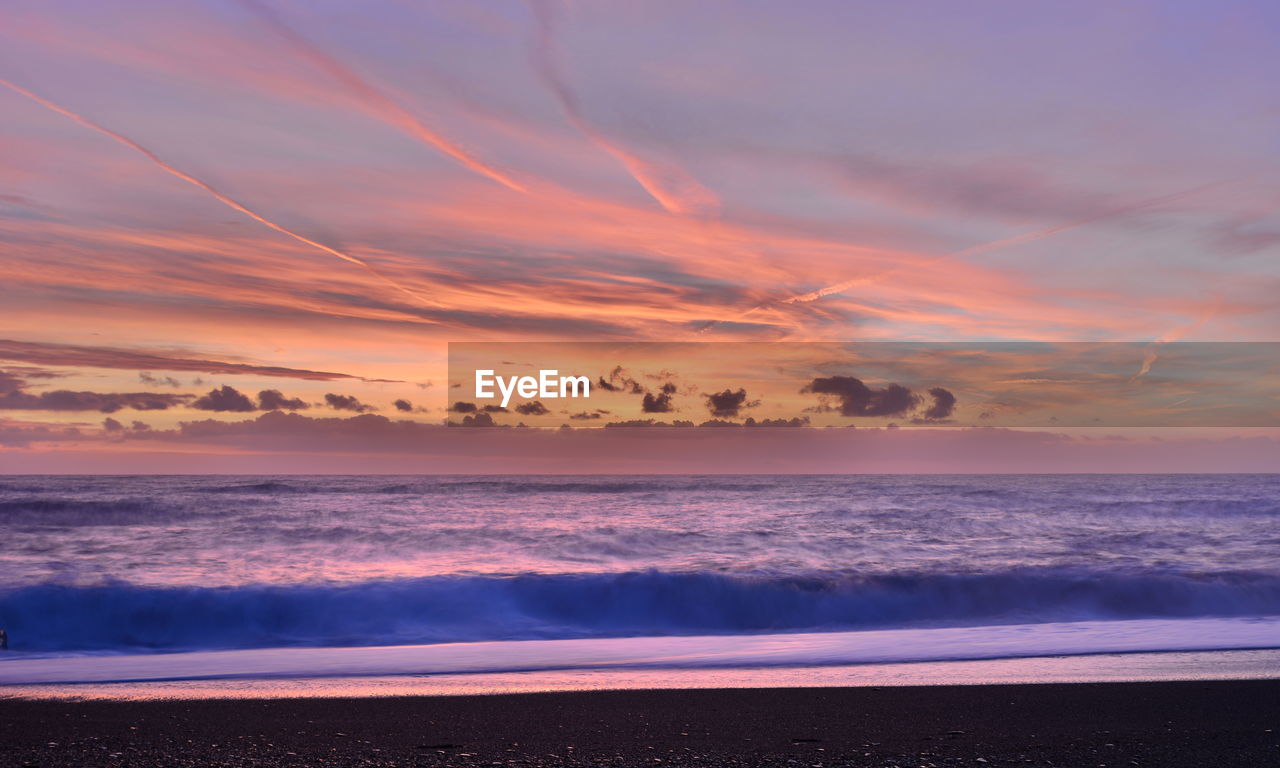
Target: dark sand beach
point(1234, 723)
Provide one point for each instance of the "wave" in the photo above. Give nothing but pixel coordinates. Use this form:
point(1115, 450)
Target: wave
point(521, 485)
point(267, 487)
point(122, 617)
point(1260, 506)
point(75, 512)
point(495, 484)
point(432, 485)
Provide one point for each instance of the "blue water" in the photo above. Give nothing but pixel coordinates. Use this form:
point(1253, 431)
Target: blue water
point(136, 564)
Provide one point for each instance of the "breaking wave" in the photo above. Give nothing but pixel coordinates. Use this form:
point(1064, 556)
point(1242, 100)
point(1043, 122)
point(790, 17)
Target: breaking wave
point(124, 617)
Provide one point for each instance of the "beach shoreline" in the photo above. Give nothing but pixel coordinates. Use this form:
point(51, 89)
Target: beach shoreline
point(1221, 723)
point(1160, 666)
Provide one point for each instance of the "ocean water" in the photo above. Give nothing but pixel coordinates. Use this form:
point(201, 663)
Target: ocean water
point(138, 578)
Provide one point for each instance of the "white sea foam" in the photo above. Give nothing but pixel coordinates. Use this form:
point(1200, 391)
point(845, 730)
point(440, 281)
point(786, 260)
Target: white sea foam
point(703, 652)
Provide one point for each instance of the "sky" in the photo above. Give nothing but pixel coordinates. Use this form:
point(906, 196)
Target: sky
point(240, 235)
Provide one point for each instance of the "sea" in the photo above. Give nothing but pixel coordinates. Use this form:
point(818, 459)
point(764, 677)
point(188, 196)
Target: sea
point(323, 585)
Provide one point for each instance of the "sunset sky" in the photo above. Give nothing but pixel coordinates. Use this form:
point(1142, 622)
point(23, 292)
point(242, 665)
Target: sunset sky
point(201, 202)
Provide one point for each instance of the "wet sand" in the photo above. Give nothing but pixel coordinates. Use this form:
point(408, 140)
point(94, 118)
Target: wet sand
point(1219, 723)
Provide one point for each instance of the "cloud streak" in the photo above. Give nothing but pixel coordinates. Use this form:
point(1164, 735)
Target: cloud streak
point(1009, 242)
point(214, 192)
point(130, 359)
point(673, 188)
point(378, 99)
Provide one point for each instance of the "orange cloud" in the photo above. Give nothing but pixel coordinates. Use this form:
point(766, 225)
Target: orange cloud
point(219, 196)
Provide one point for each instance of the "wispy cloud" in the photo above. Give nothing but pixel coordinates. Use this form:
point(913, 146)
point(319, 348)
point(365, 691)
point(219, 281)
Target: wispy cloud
point(377, 98)
point(673, 188)
point(1008, 242)
point(217, 195)
point(387, 178)
point(141, 360)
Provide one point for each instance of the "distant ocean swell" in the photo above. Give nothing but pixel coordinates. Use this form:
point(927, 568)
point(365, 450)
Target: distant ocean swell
point(121, 617)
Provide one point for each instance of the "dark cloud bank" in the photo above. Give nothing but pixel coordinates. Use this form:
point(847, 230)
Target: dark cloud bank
point(15, 397)
point(371, 442)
